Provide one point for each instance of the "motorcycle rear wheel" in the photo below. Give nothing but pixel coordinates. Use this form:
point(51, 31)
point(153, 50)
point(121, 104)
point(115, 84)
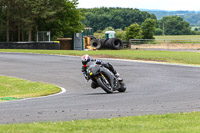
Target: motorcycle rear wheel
point(122, 88)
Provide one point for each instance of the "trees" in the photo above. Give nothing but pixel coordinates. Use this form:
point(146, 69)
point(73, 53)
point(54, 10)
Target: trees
point(36, 11)
point(158, 31)
point(145, 31)
point(66, 21)
point(174, 25)
point(148, 28)
point(100, 18)
point(2, 20)
point(20, 20)
point(133, 32)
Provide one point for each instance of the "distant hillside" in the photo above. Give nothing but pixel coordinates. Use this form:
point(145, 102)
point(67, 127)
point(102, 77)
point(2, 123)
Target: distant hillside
point(193, 17)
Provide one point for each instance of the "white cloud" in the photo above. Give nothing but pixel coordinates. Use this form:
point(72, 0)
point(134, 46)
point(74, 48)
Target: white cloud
point(143, 4)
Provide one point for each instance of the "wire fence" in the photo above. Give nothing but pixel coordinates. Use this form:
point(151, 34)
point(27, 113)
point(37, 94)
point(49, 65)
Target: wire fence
point(165, 43)
point(43, 36)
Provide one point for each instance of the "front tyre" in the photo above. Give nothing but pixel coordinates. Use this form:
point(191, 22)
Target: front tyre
point(103, 83)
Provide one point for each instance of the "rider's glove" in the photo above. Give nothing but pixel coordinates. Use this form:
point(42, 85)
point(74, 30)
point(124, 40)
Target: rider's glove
point(85, 75)
point(98, 62)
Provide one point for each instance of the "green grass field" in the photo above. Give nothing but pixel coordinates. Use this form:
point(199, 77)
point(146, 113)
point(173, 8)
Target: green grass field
point(17, 88)
point(162, 56)
point(168, 123)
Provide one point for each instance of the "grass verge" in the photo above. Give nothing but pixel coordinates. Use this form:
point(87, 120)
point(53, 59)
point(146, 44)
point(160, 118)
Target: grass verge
point(13, 88)
point(168, 123)
point(163, 56)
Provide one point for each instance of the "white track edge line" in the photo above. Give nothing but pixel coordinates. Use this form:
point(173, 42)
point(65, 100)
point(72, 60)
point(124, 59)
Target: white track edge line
point(63, 90)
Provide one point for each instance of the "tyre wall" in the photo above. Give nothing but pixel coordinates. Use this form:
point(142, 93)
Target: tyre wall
point(112, 43)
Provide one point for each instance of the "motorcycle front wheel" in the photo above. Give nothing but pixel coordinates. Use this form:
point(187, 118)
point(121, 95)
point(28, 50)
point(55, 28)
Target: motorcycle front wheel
point(105, 85)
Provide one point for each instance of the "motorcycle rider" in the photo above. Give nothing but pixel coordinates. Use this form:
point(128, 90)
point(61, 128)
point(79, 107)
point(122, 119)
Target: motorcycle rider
point(85, 59)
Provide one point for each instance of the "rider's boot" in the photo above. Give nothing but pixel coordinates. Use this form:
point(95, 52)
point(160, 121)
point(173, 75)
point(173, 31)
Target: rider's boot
point(117, 75)
point(111, 68)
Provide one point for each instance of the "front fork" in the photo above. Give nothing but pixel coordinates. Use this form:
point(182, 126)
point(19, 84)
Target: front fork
point(103, 78)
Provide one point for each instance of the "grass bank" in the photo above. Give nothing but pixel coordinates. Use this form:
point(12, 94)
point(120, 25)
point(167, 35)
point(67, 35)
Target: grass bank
point(13, 88)
point(168, 123)
point(163, 56)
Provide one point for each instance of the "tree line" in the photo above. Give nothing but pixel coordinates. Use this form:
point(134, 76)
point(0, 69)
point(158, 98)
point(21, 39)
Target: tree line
point(173, 25)
point(168, 25)
point(20, 20)
point(118, 18)
point(122, 18)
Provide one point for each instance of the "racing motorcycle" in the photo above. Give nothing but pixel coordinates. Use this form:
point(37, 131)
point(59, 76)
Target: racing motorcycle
point(105, 79)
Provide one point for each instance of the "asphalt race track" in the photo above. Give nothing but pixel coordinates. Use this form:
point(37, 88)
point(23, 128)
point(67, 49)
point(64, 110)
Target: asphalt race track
point(152, 89)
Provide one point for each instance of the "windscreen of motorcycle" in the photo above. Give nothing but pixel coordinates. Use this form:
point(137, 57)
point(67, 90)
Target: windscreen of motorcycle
point(93, 69)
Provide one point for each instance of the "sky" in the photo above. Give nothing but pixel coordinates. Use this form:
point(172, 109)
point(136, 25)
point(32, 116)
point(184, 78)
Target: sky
point(192, 5)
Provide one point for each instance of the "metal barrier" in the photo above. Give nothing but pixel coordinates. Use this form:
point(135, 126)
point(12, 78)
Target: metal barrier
point(30, 45)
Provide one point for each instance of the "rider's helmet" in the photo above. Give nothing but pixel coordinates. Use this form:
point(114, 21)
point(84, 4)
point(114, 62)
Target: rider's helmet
point(85, 59)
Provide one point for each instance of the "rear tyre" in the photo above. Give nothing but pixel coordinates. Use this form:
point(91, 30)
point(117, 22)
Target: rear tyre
point(122, 88)
point(103, 83)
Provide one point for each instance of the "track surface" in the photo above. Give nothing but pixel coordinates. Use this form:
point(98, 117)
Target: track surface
point(152, 89)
